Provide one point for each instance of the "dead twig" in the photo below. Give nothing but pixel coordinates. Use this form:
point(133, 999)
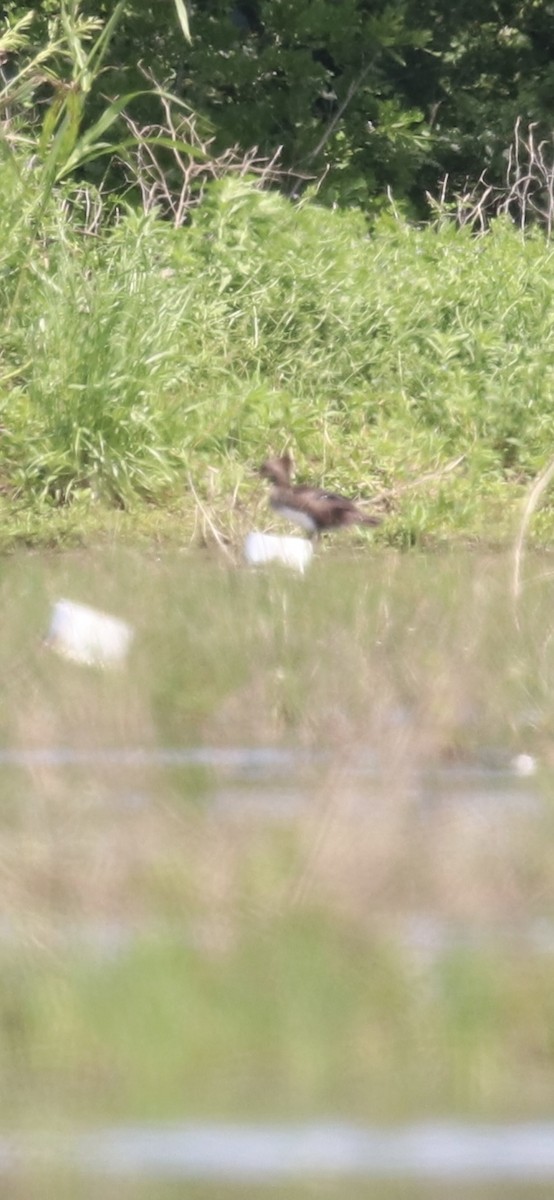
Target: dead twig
point(171, 162)
point(330, 129)
point(526, 196)
point(535, 492)
point(428, 477)
point(208, 520)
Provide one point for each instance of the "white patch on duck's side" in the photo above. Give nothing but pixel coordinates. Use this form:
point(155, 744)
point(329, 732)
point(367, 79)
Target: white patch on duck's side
point(297, 516)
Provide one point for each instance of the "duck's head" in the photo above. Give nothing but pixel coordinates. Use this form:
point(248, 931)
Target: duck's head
point(278, 470)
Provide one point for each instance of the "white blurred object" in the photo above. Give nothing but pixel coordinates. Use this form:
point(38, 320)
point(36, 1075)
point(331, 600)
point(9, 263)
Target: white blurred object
point(268, 547)
point(88, 636)
point(524, 764)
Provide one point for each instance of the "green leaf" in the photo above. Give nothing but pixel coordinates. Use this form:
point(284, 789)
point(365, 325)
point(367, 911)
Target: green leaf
point(183, 18)
point(88, 153)
point(107, 118)
point(50, 122)
point(102, 43)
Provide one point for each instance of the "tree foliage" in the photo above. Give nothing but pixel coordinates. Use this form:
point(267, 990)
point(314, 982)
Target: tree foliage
point(362, 95)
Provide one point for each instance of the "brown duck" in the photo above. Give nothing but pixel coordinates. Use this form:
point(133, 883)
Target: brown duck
point(315, 509)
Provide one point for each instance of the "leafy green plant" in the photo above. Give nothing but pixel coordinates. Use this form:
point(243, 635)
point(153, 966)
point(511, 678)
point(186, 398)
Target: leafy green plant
point(139, 354)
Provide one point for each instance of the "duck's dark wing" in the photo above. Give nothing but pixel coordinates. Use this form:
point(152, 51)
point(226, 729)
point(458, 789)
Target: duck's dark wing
point(313, 494)
point(329, 509)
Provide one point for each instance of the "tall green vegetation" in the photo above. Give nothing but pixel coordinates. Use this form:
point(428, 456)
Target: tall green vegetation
point(137, 351)
point(367, 93)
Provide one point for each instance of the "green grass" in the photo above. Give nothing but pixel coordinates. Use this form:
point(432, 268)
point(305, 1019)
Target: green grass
point(141, 360)
point(147, 369)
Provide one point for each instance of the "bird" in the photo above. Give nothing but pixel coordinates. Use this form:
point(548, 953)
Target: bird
point(314, 509)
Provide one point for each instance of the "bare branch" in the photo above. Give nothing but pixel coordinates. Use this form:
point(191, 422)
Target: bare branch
point(171, 162)
point(527, 196)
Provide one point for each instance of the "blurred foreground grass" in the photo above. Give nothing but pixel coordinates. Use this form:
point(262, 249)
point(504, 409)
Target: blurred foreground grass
point(361, 930)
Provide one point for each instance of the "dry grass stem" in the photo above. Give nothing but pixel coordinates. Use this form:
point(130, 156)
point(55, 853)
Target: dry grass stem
point(537, 490)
